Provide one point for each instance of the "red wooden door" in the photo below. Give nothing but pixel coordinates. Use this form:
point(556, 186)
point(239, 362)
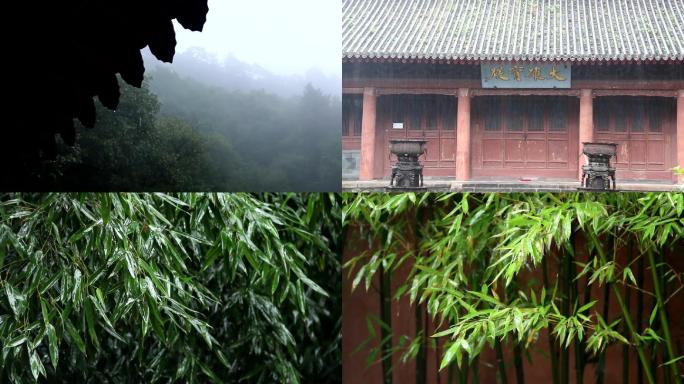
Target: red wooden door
point(643, 128)
point(428, 117)
point(527, 136)
point(352, 113)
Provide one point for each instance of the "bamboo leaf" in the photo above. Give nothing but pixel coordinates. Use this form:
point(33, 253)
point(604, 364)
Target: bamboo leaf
point(53, 345)
point(672, 361)
point(37, 367)
point(627, 274)
point(90, 322)
point(13, 298)
point(586, 306)
point(16, 342)
point(75, 337)
point(452, 352)
point(653, 315)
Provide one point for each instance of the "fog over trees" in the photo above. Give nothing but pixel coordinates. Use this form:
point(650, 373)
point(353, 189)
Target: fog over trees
point(205, 124)
point(232, 73)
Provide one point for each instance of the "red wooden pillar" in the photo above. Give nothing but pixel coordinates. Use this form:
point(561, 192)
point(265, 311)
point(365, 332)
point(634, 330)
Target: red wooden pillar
point(463, 135)
point(586, 124)
point(368, 135)
point(680, 131)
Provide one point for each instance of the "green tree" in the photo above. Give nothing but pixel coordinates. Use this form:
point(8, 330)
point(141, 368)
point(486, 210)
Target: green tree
point(134, 149)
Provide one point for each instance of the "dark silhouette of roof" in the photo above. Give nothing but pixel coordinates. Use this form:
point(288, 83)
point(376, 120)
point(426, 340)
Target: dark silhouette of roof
point(61, 54)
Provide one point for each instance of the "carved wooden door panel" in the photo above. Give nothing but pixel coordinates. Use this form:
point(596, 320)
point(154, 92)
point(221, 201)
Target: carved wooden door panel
point(643, 128)
point(525, 136)
point(427, 117)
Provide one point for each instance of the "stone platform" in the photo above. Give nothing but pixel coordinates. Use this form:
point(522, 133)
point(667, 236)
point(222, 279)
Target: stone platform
point(450, 185)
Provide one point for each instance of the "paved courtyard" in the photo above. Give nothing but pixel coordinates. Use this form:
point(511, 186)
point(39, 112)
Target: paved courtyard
point(449, 184)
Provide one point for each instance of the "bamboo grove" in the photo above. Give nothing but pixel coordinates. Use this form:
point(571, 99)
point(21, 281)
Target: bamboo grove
point(508, 274)
point(121, 288)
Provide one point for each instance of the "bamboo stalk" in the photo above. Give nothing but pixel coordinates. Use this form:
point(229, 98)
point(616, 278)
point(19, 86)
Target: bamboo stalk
point(663, 316)
point(625, 315)
point(601, 369)
point(552, 346)
point(574, 297)
point(653, 350)
point(625, 348)
point(517, 361)
point(421, 362)
point(587, 298)
point(565, 310)
point(386, 317)
point(663, 285)
point(476, 370)
point(463, 379)
point(628, 321)
point(500, 362)
point(517, 350)
point(640, 310)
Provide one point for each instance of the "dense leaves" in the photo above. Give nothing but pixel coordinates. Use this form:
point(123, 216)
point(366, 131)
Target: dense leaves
point(133, 149)
point(473, 249)
point(158, 288)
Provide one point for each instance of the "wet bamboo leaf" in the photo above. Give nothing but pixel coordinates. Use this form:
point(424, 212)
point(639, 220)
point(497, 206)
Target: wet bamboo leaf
point(53, 345)
point(113, 265)
point(37, 367)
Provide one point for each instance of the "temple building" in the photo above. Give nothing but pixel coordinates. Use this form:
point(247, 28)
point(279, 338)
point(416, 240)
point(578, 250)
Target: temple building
point(510, 89)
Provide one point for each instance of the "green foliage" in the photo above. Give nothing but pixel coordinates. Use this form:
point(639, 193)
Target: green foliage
point(472, 249)
point(193, 137)
point(159, 288)
point(132, 149)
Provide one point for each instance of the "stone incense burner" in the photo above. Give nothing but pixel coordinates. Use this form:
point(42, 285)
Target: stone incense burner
point(598, 173)
point(407, 172)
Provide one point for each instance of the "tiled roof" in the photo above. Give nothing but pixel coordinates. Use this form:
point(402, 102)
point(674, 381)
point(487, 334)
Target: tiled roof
point(587, 30)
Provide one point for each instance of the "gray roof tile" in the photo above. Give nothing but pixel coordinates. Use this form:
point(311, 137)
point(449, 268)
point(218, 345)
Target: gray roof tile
point(584, 30)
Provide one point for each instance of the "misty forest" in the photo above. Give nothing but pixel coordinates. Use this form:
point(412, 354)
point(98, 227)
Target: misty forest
point(206, 124)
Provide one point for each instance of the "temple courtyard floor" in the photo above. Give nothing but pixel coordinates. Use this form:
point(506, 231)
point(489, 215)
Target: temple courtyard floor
point(442, 184)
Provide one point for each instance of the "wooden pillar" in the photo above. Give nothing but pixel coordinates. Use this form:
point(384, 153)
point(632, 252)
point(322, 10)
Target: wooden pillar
point(586, 125)
point(680, 132)
point(463, 135)
point(368, 135)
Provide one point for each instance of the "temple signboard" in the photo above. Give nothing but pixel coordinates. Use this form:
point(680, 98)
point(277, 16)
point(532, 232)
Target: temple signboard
point(525, 75)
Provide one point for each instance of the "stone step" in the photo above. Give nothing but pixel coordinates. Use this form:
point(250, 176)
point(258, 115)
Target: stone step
point(511, 187)
point(482, 190)
point(503, 186)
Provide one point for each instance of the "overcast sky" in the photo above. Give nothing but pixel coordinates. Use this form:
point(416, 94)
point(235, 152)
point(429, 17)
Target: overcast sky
point(283, 36)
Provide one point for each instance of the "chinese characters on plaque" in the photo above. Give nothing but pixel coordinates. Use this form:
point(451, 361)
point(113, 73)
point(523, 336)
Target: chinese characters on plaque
point(525, 75)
